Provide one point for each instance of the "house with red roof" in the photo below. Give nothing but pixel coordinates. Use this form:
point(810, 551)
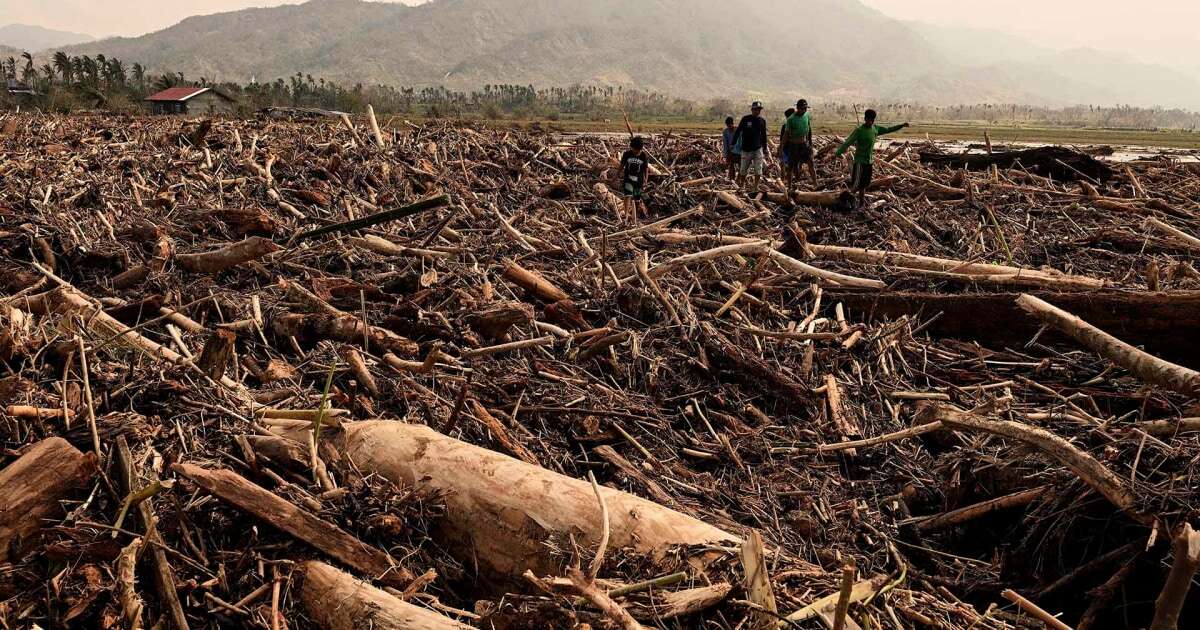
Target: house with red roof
point(190, 100)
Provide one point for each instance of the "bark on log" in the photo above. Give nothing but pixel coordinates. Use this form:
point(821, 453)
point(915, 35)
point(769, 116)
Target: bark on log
point(228, 257)
point(1146, 366)
point(503, 513)
point(1179, 580)
point(339, 601)
point(31, 488)
point(273, 510)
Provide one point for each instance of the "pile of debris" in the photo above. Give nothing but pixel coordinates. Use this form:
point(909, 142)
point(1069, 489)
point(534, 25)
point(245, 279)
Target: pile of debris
point(328, 373)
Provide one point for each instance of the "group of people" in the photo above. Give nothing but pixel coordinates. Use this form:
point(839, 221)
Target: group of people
point(747, 148)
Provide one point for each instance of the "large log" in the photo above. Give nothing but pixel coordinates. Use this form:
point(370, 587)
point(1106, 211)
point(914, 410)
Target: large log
point(1060, 163)
point(338, 601)
point(1145, 365)
point(1163, 323)
point(504, 515)
point(31, 488)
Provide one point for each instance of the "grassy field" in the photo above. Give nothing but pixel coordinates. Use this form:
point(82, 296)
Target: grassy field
point(1000, 133)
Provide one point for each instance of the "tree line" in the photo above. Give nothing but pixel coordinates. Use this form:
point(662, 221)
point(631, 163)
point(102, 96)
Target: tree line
point(68, 83)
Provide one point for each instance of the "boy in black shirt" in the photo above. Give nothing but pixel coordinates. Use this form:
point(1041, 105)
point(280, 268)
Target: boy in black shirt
point(633, 176)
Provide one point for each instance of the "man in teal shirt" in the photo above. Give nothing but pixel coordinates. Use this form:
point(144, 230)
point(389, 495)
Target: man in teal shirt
point(863, 138)
point(797, 145)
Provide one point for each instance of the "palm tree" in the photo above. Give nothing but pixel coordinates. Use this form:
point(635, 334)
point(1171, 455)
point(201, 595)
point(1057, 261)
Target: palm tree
point(10, 68)
point(28, 73)
point(116, 73)
point(62, 63)
point(139, 75)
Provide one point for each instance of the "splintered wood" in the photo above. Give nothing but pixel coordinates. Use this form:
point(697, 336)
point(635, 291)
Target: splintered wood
point(354, 372)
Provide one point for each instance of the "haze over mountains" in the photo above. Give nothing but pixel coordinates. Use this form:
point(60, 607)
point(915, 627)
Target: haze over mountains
point(830, 49)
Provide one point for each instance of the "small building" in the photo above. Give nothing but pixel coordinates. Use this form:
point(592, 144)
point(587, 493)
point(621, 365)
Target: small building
point(190, 100)
point(16, 87)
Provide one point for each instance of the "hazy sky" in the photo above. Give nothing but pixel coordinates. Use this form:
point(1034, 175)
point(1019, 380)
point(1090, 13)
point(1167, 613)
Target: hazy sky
point(1154, 30)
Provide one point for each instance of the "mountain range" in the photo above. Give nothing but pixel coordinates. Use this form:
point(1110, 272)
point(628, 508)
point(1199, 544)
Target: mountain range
point(34, 38)
point(831, 49)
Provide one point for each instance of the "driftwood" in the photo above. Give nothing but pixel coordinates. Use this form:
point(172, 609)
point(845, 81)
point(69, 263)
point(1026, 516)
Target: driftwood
point(270, 508)
point(1059, 163)
point(1179, 581)
point(504, 510)
point(229, 257)
point(338, 601)
point(32, 487)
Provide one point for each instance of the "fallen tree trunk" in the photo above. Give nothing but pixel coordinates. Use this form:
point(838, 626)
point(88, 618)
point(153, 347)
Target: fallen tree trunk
point(915, 262)
point(506, 515)
point(1146, 366)
point(1060, 163)
point(228, 257)
point(31, 488)
point(339, 601)
point(1163, 323)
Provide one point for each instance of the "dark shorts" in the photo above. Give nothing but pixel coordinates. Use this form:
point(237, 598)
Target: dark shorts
point(732, 159)
point(860, 176)
point(632, 190)
point(799, 153)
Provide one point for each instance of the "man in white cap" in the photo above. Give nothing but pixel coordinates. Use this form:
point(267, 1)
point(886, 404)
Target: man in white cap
point(751, 136)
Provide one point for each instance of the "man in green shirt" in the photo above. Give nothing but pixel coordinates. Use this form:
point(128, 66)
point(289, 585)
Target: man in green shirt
point(797, 145)
point(863, 139)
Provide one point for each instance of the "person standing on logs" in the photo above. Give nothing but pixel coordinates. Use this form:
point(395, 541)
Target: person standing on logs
point(731, 152)
point(783, 156)
point(863, 138)
point(755, 146)
point(634, 165)
point(797, 145)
